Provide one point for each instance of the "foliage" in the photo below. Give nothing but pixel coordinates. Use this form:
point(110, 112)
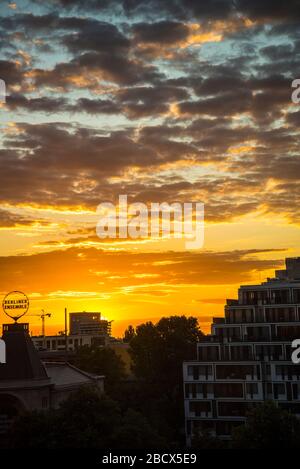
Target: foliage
point(136, 432)
point(85, 420)
point(129, 334)
point(158, 350)
point(100, 361)
point(144, 412)
point(206, 441)
point(268, 426)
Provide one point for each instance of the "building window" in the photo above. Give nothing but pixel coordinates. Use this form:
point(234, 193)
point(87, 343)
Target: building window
point(229, 390)
point(201, 408)
point(205, 371)
point(232, 409)
point(279, 390)
point(252, 389)
point(295, 391)
point(209, 353)
point(235, 371)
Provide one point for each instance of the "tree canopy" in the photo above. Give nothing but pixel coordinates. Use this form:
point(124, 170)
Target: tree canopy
point(100, 361)
point(268, 426)
point(85, 420)
point(158, 350)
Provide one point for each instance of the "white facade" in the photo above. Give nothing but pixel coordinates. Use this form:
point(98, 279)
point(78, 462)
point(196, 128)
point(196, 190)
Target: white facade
point(58, 342)
point(247, 358)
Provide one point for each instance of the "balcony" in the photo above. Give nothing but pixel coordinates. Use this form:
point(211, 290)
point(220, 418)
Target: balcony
point(200, 409)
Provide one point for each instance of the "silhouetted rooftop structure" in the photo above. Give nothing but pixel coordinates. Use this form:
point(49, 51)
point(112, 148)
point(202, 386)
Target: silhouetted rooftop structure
point(22, 360)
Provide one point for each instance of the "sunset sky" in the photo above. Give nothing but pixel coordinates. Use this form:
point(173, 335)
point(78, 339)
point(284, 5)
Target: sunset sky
point(163, 101)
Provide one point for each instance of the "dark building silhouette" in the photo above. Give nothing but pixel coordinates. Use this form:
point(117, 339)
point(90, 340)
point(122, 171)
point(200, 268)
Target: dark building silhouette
point(22, 361)
point(89, 323)
point(28, 383)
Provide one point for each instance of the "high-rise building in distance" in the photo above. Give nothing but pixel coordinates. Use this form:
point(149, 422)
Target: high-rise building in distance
point(89, 323)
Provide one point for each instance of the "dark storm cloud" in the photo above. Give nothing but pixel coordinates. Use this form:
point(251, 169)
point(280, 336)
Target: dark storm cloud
point(94, 67)
point(277, 52)
point(289, 66)
point(56, 147)
point(263, 98)
point(135, 103)
point(259, 10)
point(24, 21)
point(163, 32)
point(44, 104)
point(77, 4)
point(294, 119)
point(97, 36)
point(282, 168)
point(233, 81)
point(143, 101)
point(230, 103)
point(219, 84)
point(57, 105)
point(49, 22)
point(96, 106)
point(11, 72)
point(49, 159)
point(76, 33)
point(52, 160)
point(97, 46)
point(141, 71)
point(290, 30)
point(269, 9)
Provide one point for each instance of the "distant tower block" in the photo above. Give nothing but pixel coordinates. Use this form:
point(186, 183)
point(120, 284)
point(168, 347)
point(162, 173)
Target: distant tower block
point(89, 323)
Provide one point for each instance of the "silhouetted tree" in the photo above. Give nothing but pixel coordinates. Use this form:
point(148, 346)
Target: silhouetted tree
point(100, 361)
point(145, 350)
point(268, 426)
point(158, 350)
point(204, 440)
point(138, 414)
point(85, 420)
point(157, 353)
point(129, 334)
point(136, 432)
point(34, 430)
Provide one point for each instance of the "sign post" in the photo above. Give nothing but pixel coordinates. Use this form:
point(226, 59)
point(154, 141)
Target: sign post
point(15, 304)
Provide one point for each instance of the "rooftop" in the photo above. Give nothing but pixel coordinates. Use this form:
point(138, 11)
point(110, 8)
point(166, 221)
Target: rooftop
point(22, 360)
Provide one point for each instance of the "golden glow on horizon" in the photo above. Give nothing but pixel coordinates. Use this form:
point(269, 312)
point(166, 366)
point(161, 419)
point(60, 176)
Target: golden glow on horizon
point(51, 250)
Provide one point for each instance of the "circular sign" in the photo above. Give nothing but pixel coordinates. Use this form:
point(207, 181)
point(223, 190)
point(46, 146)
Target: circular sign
point(15, 304)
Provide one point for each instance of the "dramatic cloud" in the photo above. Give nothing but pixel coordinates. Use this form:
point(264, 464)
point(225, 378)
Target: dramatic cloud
point(182, 100)
point(120, 271)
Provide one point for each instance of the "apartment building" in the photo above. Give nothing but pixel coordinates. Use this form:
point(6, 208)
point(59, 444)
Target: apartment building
point(89, 323)
point(86, 328)
point(56, 343)
point(247, 357)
